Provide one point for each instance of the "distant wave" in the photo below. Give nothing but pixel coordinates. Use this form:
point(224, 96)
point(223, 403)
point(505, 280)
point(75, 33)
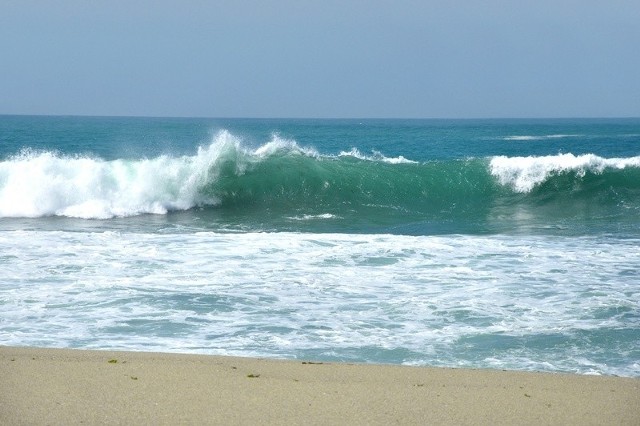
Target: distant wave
point(313, 217)
point(283, 178)
point(537, 137)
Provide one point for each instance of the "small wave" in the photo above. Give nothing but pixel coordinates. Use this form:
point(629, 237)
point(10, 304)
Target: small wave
point(376, 156)
point(537, 137)
point(314, 217)
point(522, 174)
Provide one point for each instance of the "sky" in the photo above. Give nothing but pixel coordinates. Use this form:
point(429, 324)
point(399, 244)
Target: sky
point(321, 59)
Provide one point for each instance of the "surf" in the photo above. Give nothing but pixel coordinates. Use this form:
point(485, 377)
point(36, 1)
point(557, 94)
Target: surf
point(281, 179)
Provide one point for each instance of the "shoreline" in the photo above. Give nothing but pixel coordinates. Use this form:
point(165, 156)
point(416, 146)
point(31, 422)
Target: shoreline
point(71, 386)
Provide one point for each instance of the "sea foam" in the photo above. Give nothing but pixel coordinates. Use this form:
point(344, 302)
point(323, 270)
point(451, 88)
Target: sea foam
point(280, 174)
point(376, 156)
point(42, 183)
point(36, 184)
point(45, 184)
point(475, 301)
point(523, 174)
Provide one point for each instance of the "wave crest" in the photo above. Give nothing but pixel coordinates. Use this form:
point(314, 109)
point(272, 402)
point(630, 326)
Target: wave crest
point(523, 174)
point(376, 156)
point(287, 180)
point(47, 184)
point(36, 184)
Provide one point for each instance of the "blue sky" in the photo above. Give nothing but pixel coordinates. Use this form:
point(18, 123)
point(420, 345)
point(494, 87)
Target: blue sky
point(413, 59)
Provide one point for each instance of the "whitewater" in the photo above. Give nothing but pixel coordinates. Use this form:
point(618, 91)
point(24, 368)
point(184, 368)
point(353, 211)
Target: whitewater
point(497, 243)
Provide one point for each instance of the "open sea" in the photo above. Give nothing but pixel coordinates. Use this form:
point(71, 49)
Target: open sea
point(504, 244)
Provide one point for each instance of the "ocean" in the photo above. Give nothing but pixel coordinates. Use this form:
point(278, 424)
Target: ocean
point(503, 244)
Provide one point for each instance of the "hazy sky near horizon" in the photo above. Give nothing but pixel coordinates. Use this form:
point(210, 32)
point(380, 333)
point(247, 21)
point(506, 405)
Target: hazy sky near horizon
point(350, 58)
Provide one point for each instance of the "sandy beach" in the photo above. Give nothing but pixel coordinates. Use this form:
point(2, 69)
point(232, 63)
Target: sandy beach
point(60, 386)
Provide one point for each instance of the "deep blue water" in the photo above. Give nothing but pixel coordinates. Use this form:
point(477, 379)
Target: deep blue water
point(111, 138)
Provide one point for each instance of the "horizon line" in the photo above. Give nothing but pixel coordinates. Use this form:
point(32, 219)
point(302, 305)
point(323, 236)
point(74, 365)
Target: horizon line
point(323, 118)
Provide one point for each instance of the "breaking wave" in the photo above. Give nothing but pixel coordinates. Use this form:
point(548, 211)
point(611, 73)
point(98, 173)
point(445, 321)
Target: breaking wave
point(284, 178)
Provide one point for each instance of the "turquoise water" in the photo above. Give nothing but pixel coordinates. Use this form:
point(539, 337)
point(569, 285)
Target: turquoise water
point(479, 243)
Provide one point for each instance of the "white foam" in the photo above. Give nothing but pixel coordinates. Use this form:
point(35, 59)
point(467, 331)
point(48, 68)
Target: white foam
point(522, 174)
point(376, 156)
point(537, 137)
point(278, 145)
point(44, 184)
point(284, 294)
point(521, 138)
point(35, 184)
point(314, 217)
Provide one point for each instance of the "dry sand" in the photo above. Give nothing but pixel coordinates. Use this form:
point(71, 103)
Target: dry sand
point(59, 386)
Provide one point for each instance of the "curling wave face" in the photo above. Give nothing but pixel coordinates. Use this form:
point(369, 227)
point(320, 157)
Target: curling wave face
point(286, 180)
